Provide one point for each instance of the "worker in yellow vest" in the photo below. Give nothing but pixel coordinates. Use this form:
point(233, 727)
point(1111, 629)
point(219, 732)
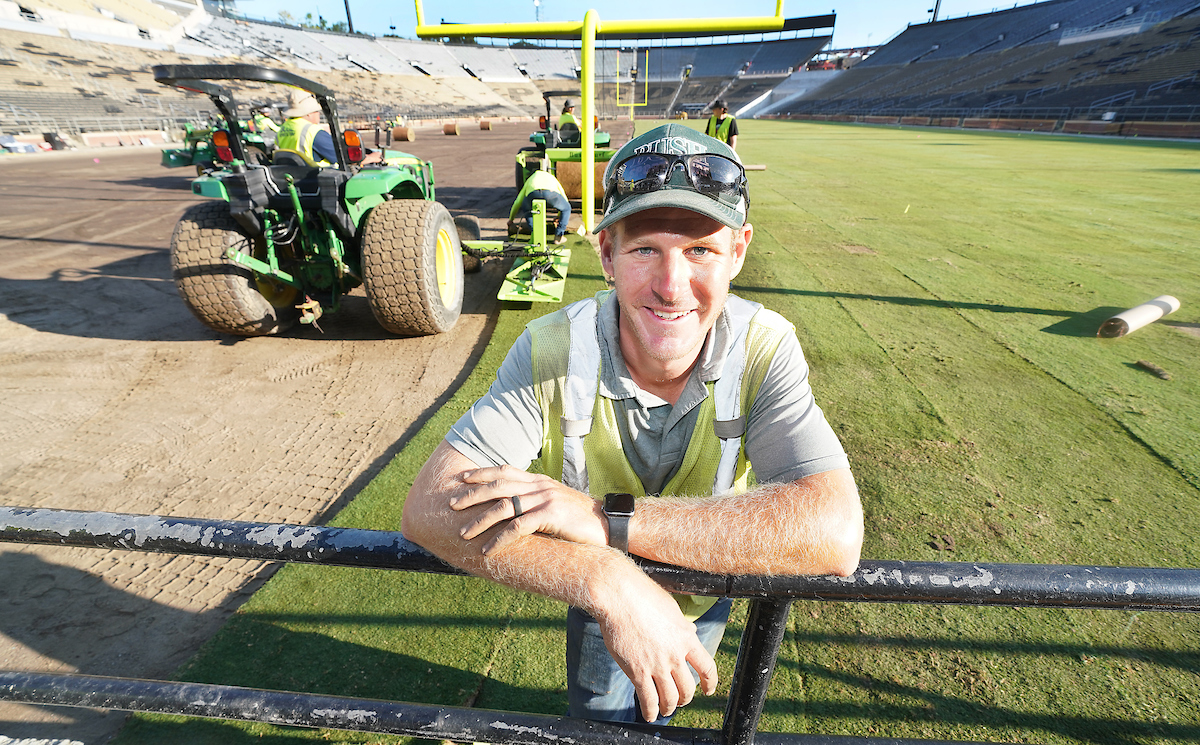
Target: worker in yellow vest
point(722, 125)
point(302, 131)
point(263, 122)
point(541, 185)
point(646, 406)
point(568, 116)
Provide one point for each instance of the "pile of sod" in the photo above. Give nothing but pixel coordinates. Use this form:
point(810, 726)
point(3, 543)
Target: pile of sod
point(946, 287)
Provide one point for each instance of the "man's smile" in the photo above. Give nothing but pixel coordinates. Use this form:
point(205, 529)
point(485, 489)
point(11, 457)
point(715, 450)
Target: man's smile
point(669, 315)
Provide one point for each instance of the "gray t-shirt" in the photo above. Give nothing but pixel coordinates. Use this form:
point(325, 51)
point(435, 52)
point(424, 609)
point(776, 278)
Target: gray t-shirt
point(787, 437)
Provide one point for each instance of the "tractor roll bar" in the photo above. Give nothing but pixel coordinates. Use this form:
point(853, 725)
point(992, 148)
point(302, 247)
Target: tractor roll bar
point(193, 77)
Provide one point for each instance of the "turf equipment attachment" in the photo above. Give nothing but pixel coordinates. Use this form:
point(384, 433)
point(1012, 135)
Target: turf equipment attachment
point(539, 272)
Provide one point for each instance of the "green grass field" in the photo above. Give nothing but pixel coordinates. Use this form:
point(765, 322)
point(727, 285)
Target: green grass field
point(946, 287)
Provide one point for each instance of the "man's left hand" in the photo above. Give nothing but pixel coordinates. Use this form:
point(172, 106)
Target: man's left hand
point(548, 507)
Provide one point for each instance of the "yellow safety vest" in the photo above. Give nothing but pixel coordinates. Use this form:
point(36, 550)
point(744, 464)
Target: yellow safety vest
point(567, 118)
point(719, 130)
point(537, 180)
point(299, 134)
point(264, 123)
point(581, 443)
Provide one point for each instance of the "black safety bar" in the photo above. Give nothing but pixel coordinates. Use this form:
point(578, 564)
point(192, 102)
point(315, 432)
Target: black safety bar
point(1015, 585)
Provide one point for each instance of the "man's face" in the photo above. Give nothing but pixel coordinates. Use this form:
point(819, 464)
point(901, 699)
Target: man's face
point(672, 269)
point(719, 111)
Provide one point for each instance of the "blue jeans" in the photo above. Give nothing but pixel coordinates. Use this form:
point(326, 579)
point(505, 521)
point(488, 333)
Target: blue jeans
point(597, 688)
point(554, 200)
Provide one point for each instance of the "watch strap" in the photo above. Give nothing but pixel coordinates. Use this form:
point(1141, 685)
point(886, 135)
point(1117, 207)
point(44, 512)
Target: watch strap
point(618, 532)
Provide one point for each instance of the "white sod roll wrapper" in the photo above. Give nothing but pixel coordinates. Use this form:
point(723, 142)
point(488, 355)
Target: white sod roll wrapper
point(1134, 318)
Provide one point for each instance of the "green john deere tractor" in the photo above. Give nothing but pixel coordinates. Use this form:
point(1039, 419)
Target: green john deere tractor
point(197, 151)
point(562, 148)
point(285, 241)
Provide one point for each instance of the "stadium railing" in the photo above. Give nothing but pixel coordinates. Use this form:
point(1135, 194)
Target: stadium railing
point(944, 583)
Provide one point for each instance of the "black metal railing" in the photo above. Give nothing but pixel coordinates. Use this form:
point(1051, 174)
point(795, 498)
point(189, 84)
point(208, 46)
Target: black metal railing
point(1014, 585)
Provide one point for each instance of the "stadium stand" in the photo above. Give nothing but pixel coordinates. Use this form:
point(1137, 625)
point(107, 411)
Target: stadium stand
point(1063, 59)
point(489, 64)
point(360, 53)
point(432, 59)
point(385, 76)
point(547, 64)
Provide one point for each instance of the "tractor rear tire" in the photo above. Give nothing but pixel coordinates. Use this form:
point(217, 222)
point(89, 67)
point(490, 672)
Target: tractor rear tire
point(224, 295)
point(412, 264)
point(469, 230)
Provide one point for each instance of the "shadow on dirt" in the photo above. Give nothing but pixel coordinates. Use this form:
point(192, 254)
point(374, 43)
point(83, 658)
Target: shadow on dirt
point(91, 627)
point(135, 299)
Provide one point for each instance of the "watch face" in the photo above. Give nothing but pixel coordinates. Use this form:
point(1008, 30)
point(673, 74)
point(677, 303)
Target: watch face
point(618, 504)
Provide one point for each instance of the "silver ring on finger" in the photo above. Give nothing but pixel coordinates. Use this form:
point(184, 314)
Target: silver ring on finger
point(516, 505)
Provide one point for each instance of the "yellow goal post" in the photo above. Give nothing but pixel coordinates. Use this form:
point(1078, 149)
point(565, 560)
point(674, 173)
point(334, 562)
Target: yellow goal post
point(587, 31)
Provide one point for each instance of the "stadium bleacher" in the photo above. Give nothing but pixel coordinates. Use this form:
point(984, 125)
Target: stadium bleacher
point(547, 64)
point(1063, 58)
point(1059, 55)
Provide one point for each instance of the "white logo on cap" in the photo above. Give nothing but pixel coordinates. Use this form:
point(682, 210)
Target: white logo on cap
point(671, 146)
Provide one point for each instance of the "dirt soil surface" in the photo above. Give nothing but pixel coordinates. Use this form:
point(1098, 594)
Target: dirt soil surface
point(113, 397)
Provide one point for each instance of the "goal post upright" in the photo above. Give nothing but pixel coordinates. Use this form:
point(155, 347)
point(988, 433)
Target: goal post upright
point(587, 31)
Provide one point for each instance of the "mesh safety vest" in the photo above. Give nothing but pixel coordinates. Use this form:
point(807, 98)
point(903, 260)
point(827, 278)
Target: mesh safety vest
point(537, 180)
point(299, 134)
point(567, 118)
point(581, 443)
point(265, 123)
point(719, 130)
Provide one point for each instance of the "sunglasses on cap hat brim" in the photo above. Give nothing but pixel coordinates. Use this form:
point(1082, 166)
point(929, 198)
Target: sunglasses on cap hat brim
point(714, 176)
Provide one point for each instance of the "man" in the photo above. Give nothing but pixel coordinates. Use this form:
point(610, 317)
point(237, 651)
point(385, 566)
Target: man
point(722, 124)
point(302, 131)
point(542, 185)
point(666, 385)
point(568, 116)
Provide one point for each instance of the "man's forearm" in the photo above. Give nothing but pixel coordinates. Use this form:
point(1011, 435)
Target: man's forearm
point(810, 526)
point(571, 572)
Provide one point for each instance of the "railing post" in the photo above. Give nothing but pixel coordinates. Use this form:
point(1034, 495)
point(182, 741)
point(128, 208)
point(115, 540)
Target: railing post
point(757, 654)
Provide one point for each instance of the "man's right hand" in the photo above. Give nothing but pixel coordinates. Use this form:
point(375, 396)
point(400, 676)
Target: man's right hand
point(643, 628)
point(654, 644)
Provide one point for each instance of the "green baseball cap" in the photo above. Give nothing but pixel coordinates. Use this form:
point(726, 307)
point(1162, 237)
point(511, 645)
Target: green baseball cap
point(671, 139)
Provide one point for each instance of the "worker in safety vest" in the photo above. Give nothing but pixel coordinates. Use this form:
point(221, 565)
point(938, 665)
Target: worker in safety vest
point(568, 115)
point(302, 131)
point(646, 406)
point(541, 184)
point(263, 122)
point(722, 125)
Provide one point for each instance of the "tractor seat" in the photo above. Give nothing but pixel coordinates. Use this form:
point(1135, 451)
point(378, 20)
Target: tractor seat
point(570, 135)
point(292, 158)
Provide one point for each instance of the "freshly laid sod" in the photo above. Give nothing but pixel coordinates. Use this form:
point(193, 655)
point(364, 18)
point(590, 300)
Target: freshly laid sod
point(946, 287)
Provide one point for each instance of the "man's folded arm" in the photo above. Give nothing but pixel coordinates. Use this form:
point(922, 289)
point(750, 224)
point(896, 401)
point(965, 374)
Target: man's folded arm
point(813, 525)
point(642, 626)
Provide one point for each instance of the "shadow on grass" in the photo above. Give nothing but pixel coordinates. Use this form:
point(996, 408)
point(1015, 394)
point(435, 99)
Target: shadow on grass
point(933, 707)
point(913, 301)
point(1083, 324)
point(250, 652)
point(414, 621)
point(1186, 661)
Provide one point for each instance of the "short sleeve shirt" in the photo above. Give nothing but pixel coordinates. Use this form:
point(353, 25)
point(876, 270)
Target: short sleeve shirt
point(787, 436)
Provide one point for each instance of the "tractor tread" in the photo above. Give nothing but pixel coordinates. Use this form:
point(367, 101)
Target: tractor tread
point(220, 293)
point(398, 261)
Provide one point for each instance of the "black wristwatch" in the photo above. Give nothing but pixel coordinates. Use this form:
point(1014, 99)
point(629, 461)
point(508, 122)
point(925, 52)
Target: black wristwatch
point(618, 509)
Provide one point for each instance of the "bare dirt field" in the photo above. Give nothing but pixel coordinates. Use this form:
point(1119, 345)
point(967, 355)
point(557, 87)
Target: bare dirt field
point(113, 397)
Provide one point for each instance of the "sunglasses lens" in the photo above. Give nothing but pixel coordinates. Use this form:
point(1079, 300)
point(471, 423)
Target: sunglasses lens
point(642, 173)
point(712, 174)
